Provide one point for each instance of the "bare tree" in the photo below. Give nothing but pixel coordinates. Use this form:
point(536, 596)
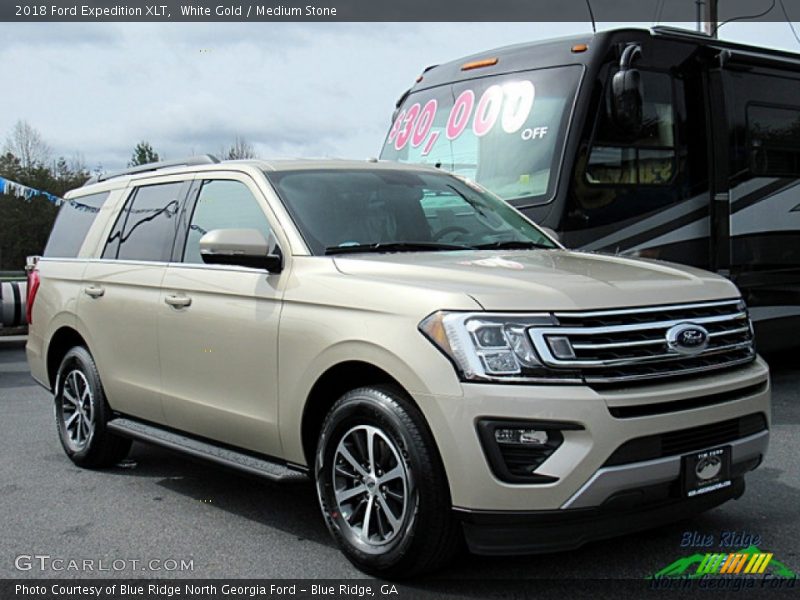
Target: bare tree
point(240, 148)
point(26, 143)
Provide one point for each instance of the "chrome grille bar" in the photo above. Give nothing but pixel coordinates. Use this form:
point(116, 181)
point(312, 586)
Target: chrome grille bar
point(632, 343)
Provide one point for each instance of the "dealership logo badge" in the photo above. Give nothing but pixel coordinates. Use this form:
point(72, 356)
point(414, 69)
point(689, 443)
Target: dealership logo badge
point(747, 561)
point(708, 467)
point(687, 338)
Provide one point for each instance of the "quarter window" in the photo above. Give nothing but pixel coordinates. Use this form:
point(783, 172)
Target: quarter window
point(74, 220)
point(223, 204)
point(145, 229)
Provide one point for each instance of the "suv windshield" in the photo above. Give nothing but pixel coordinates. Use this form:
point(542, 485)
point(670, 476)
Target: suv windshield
point(396, 210)
point(506, 132)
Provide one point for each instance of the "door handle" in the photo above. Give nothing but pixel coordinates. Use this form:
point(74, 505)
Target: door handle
point(178, 301)
point(94, 291)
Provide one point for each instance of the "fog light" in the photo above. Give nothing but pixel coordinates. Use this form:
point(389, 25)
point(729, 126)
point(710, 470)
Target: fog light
point(526, 437)
point(515, 450)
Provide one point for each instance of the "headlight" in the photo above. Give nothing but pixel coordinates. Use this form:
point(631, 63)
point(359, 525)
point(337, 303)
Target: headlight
point(490, 347)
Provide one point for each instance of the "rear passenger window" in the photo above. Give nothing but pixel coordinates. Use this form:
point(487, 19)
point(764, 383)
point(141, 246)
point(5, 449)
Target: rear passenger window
point(223, 204)
point(73, 222)
point(145, 229)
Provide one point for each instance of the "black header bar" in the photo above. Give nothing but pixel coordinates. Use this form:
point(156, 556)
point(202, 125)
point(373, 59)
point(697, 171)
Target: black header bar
point(625, 11)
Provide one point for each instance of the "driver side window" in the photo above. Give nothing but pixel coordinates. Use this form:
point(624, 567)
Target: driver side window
point(223, 204)
point(646, 157)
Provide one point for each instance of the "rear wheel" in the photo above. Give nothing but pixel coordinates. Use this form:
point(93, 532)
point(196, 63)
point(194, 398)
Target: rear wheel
point(381, 485)
point(82, 412)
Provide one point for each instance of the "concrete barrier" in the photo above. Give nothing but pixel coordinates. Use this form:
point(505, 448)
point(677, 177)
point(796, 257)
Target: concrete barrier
point(13, 296)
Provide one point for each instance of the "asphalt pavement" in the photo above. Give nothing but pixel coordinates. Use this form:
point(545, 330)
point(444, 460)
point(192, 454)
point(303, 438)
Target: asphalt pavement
point(219, 524)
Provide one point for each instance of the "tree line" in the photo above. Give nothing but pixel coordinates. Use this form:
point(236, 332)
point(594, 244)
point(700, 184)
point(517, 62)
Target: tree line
point(28, 159)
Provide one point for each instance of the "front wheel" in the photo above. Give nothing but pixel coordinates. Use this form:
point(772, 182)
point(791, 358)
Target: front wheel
point(82, 412)
point(382, 487)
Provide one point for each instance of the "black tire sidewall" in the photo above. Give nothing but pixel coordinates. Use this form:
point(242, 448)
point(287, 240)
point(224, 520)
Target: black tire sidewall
point(380, 408)
point(79, 358)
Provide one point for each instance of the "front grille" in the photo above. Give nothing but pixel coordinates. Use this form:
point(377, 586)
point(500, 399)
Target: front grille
point(687, 440)
point(614, 346)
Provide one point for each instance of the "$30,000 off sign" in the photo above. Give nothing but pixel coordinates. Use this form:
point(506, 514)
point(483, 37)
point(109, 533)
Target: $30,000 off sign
point(509, 104)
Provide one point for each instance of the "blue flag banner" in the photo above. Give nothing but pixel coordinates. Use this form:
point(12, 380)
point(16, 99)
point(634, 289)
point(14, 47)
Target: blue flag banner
point(12, 188)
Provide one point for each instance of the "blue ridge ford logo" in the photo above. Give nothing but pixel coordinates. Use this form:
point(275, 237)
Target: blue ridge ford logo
point(687, 338)
point(708, 467)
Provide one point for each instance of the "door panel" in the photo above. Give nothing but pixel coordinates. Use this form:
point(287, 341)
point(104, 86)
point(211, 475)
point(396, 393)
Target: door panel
point(644, 193)
point(219, 355)
point(764, 120)
point(119, 318)
point(218, 330)
point(121, 291)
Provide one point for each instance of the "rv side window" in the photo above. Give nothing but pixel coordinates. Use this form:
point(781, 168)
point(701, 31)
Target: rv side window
point(774, 140)
point(646, 157)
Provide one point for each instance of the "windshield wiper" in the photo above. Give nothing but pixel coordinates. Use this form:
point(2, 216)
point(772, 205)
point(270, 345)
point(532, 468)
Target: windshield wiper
point(513, 245)
point(394, 247)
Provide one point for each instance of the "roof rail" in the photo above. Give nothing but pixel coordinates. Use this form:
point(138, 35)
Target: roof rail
point(666, 30)
point(203, 159)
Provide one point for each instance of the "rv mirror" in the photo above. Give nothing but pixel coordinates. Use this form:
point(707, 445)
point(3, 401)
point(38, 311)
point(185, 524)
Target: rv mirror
point(627, 92)
point(626, 88)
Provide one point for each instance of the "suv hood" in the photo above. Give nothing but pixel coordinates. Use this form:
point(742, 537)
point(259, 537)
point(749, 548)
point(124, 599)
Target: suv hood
point(541, 279)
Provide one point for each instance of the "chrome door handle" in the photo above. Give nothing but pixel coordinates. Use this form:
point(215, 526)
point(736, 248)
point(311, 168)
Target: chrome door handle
point(94, 291)
point(178, 301)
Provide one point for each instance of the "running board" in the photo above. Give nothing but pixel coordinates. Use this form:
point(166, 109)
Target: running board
point(184, 444)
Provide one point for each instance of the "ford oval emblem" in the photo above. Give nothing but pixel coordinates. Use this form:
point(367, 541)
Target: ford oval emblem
point(687, 338)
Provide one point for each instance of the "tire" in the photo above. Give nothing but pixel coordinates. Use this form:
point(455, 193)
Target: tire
point(411, 528)
point(82, 412)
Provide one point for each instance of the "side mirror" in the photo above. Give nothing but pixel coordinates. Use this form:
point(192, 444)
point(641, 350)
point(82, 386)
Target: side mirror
point(240, 247)
point(627, 93)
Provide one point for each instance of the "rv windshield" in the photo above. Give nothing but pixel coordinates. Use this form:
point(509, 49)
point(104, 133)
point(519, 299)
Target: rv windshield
point(506, 132)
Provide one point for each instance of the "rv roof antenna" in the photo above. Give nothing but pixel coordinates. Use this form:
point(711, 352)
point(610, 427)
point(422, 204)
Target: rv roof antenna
point(591, 15)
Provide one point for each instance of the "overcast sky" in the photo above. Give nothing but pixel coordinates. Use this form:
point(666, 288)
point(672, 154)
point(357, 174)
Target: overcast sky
point(303, 89)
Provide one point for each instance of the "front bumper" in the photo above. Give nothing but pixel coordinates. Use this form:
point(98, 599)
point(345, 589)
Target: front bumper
point(607, 419)
point(507, 533)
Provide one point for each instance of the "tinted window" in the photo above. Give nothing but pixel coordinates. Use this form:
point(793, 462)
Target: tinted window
point(74, 220)
point(223, 204)
point(145, 228)
point(337, 208)
point(774, 136)
point(505, 132)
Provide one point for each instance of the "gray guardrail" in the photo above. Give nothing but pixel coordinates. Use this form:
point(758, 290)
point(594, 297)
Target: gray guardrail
point(13, 296)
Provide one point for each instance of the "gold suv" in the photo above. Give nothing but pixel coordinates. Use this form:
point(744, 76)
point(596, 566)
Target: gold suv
point(443, 369)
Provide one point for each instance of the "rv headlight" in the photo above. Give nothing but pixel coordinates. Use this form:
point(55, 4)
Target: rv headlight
point(489, 346)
